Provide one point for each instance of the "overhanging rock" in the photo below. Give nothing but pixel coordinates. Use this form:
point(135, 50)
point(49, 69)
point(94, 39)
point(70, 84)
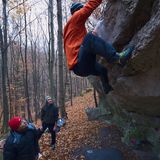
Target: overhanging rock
point(137, 86)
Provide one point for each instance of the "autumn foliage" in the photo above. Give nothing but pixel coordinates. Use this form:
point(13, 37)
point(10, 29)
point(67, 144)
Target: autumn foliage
point(79, 133)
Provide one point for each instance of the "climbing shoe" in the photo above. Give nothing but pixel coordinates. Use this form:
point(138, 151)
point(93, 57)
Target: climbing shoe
point(125, 55)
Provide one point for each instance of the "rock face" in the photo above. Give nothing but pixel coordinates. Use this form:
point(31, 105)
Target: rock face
point(137, 85)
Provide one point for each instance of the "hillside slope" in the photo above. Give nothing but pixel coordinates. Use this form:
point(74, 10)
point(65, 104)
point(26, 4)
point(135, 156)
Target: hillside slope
point(80, 134)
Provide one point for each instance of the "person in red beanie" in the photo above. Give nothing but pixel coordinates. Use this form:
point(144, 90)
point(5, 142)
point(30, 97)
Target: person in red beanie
point(15, 123)
point(22, 142)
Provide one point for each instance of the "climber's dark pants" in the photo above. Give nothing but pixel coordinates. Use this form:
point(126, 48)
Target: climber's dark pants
point(87, 65)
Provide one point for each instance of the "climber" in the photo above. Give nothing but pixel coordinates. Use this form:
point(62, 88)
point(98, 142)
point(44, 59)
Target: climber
point(81, 47)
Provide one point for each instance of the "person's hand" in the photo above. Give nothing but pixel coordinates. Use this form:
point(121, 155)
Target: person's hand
point(2, 142)
point(40, 128)
point(55, 126)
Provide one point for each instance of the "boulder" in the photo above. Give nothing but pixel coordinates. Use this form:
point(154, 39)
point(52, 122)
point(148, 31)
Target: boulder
point(137, 85)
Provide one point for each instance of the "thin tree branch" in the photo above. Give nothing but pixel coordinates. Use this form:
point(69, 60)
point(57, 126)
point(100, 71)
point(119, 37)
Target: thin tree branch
point(24, 28)
point(16, 6)
point(22, 4)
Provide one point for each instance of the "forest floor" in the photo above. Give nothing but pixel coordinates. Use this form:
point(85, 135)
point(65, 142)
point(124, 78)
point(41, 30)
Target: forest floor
point(79, 135)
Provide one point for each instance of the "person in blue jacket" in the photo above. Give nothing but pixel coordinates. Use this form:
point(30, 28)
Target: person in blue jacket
point(22, 142)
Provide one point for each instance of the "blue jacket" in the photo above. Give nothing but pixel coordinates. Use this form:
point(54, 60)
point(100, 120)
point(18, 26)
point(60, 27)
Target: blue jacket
point(22, 146)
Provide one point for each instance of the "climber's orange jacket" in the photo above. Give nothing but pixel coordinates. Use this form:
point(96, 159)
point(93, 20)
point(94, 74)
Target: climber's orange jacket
point(75, 31)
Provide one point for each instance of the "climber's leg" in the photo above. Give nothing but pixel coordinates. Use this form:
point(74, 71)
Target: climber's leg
point(86, 61)
point(87, 65)
point(101, 71)
point(106, 50)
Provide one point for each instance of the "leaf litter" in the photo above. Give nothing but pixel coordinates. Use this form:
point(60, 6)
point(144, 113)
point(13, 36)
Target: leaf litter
point(79, 132)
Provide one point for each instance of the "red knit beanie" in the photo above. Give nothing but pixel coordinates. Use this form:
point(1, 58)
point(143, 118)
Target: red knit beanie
point(14, 123)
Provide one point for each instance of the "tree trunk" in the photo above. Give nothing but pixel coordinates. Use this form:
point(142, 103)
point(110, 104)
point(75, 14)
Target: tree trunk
point(4, 50)
point(21, 108)
point(34, 77)
point(95, 98)
point(71, 92)
point(26, 68)
point(51, 49)
point(60, 58)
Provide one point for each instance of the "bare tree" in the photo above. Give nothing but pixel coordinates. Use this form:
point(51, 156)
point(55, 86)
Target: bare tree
point(60, 58)
point(51, 48)
point(68, 73)
point(71, 93)
point(26, 66)
point(4, 50)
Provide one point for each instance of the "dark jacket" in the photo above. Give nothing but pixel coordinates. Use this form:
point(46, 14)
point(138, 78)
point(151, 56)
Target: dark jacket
point(49, 114)
point(22, 146)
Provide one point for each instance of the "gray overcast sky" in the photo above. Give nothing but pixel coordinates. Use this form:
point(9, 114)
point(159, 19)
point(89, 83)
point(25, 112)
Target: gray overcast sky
point(38, 11)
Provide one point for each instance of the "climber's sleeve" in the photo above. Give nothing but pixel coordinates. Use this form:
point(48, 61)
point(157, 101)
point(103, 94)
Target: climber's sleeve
point(83, 14)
